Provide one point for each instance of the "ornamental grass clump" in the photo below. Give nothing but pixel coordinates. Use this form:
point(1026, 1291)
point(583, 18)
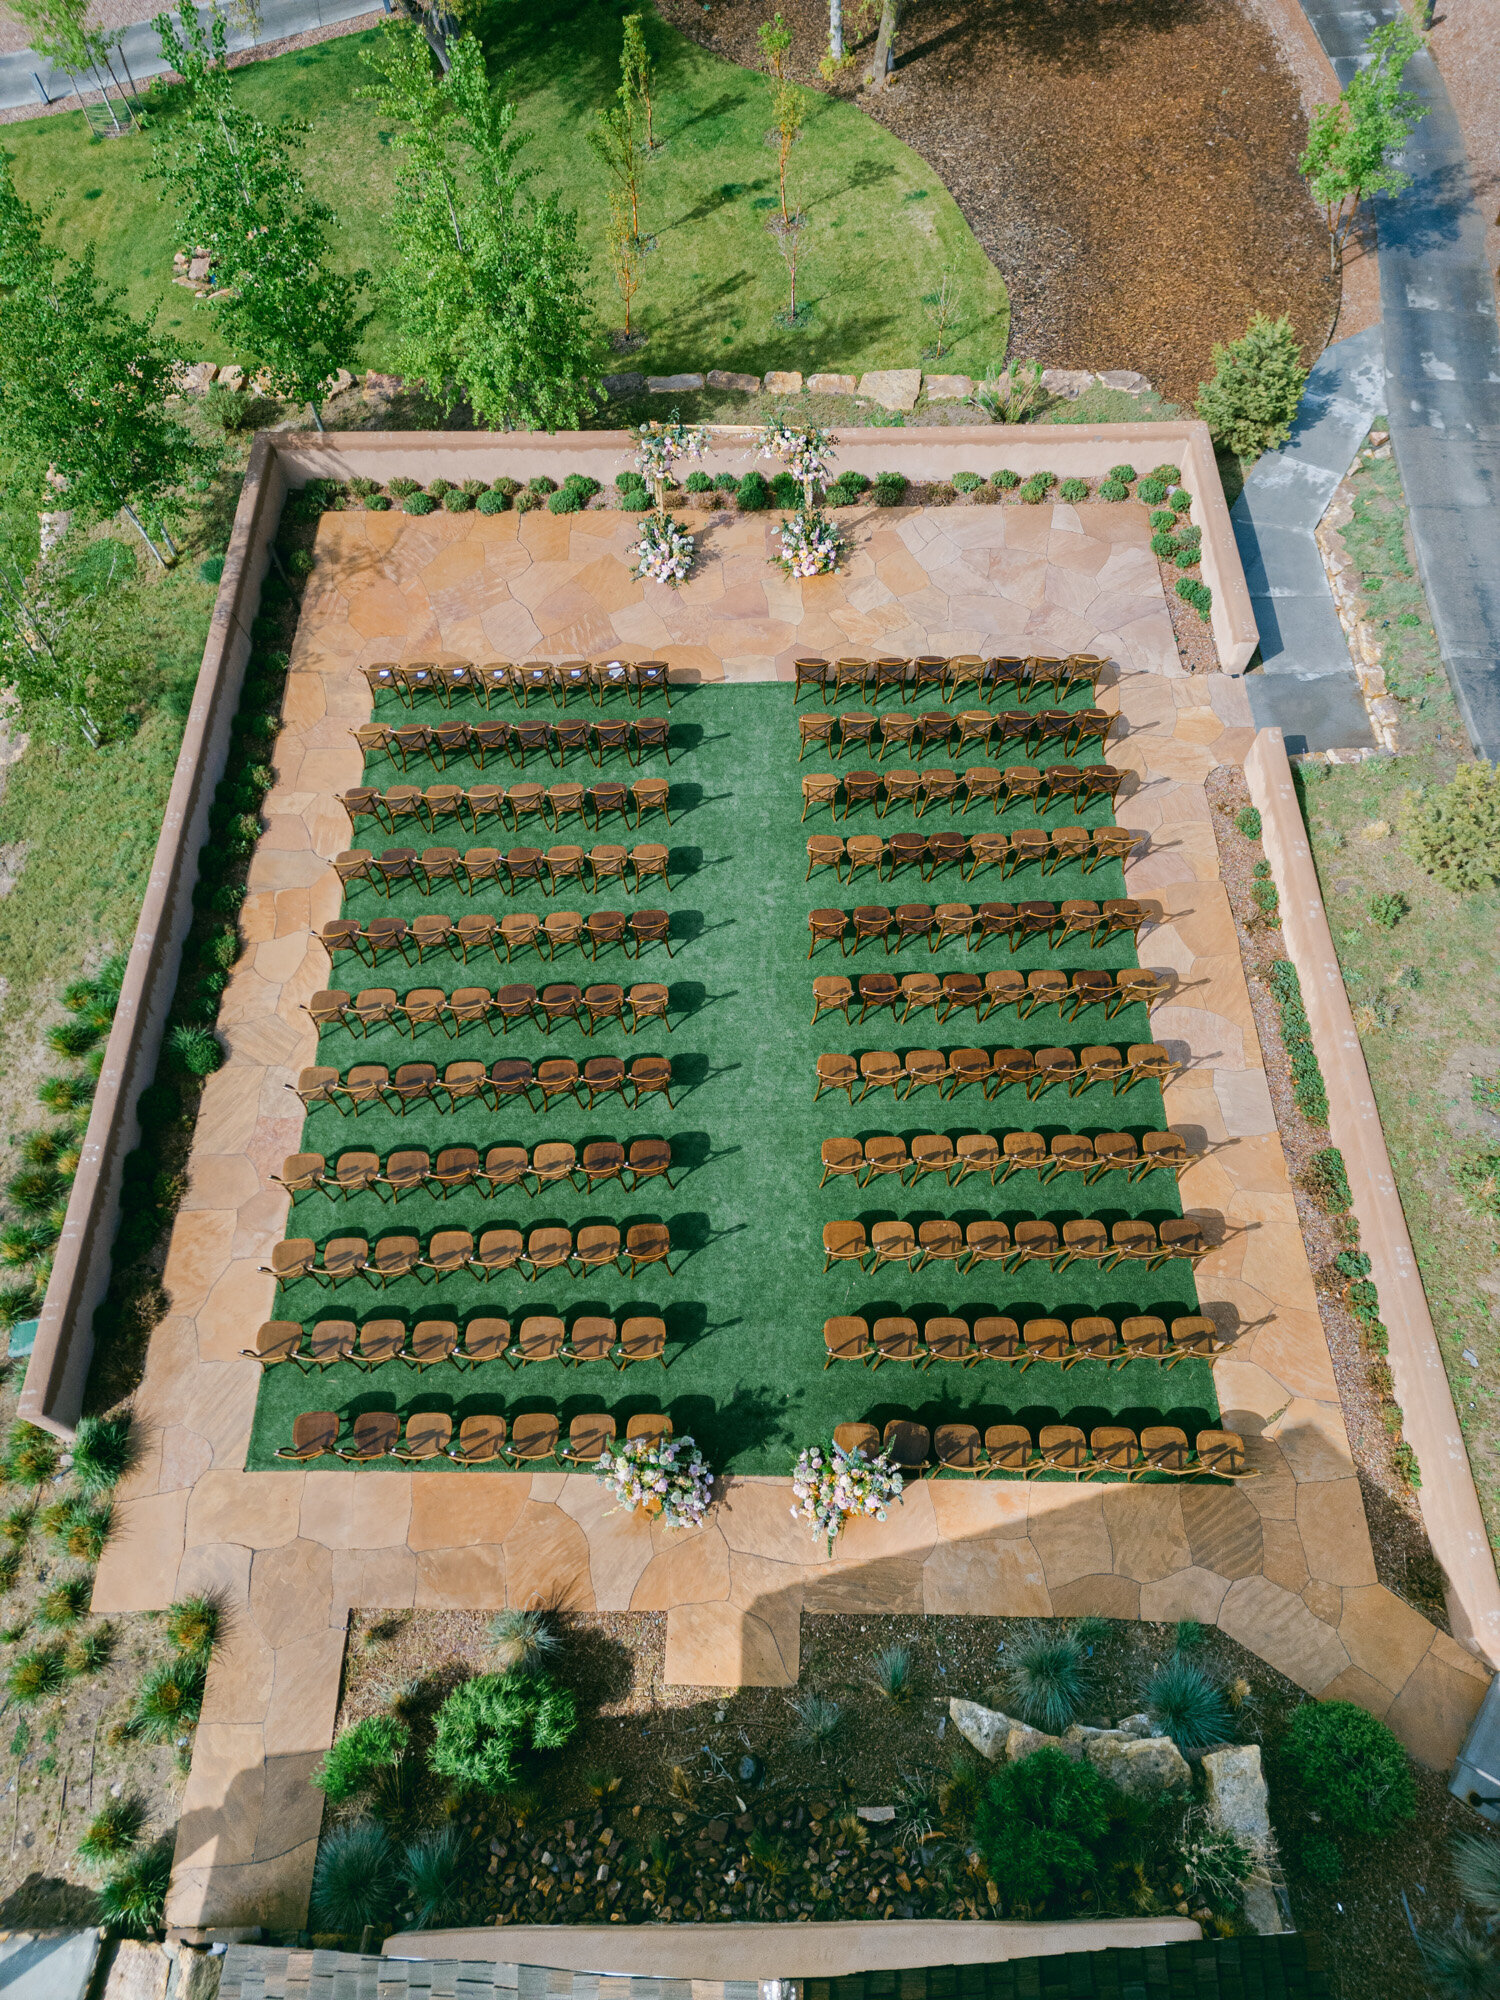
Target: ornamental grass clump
point(891, 1673)
point(112, 1833)
point(1184, 1704)
point(134, 1899)
point(168, 1701)
point(354, 1877)
point(193, 1627)
point(103, 1452)
point(37, 1674)
point(358, 1757)
point(429, 1872)
point(1047, 1681)
point(522, 1640)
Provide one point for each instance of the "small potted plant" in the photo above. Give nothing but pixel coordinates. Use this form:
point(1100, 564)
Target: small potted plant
point(666, 1478)
point(833, 1486)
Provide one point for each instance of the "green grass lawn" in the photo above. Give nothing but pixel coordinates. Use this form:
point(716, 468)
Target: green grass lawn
point(882, 226)
point(747, 1298)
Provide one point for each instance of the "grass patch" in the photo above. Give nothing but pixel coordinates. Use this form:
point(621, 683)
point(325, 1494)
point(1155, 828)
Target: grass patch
point(746, 1304)
point(713, 278)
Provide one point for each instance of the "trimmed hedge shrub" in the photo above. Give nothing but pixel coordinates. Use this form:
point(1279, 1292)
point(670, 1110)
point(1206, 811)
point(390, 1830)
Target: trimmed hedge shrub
point(488, 1723)
point(786, 491)
point(1005, 479)
point(456, 501)
point(493, 503)
point(753, 494)
point(967, 482)
point(1126, 474)
point(1179, 500)
point(509, 487)
point(418, 503)
point(1353, 1765)
point(1197, 596)
point(699, 482)
point(541, 484)
point(1073, 491)
point(1041, 1826)
point(1308, 1087)
point(1113, 489)
point(1151, 491)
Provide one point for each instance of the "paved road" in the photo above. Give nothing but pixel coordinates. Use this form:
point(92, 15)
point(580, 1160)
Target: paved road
point(26, 79)
point(1306, 685)
point(1443, 361)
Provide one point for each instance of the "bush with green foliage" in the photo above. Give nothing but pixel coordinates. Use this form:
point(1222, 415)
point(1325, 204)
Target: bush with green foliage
point(1005, 479)
point(624, 481)
point(1308, 1087)
point(194, 1049)
point(1353, 1766)
point(968, 482)
point(785, 490)
point(493, 503)
point(134, 1899)
point(1046, 1678)
point(1321, 1860)
point(168, 1701)
point(891, 1673)
point(104, 1450)
point(1247, 819)
point(63, 1604)
point(699, 482)
point(523, 1640)
point(456, 501)
point(354, 1877)
point(1041, 1827)
point(418, 503)
point(1074, 491)
point(1195, 595)
point(487, 1724)
point(37, 1674)
point(1126, 475)
point(1250, 404)
point(193, 1626)
point(573, 495)
point(1328, 1181)
point(1112, 489)
point(541, 484)
point(753, 494)
point(357, 1756)
point(112, 1832)
point(1453, 830)
point(1185, 1705)
point(1036, 488)
point(1386, 911)
point(1164, 545)
point(431, 1881)
point(1152, 491)
point(1179, 501)
point(1478, 1180)
point(890, 489)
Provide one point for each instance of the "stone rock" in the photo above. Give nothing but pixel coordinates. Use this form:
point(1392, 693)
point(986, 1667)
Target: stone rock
point(1136, 1725)
point(198, 270)
point(985, 1728)
point(1131, 1730)
point(783, 382)
point(1023, 1740)
point(1144, 1767)
point(832, 385)
point(340, 381)
point(198, 1975)
point(381, 385)
point(618, 386)
point(232, 376)
point(195, 380)
point(1126, 379)
point(875, 1815)
point(948, 388)
point(672, 385)
point(1069, 383)
point(892, 388)
point(1386, 711)
point(1235, 1794)
point(722, 378)
point(179, 260)
point(139, 1972)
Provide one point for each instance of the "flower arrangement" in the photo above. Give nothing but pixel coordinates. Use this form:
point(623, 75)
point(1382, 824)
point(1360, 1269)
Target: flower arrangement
point(806, 451)
point(658, 448)
point(833, 1486)
point(667, 1478)
point(665, 550)
point(810, 544)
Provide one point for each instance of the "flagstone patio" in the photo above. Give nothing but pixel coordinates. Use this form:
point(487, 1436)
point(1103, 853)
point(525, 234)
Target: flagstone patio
point(1282, 1563)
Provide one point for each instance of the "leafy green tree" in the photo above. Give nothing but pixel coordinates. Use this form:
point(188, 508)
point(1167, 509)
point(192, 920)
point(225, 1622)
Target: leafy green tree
point(488, 1723)
point(488, 285)
point(1352, 143)
point(242, 197)
point(83, 386)
point(54, 655)
point(614, 140)
point(639, 71)
point(60, 31)
point(1252, 400)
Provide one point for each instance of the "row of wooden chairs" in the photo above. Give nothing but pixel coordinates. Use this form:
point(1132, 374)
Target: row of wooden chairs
point(1070, 993)
point(505, 1082)
point(1035, 1070)
point(1009, 1450)
point(411, 1168)
point(1068, 1154)
point(1077, 917)
point(519, 678)
point(427, 804)
point(950, 730)
point(587, 1007)
point(432, 1342)
point(597, 1246)
point(1035, 786)
point(558, 930)
point(1050, 848)
point(1034, 1240)
point(549, 867)
point(993, 1337)
point(929, 673)
point(482, 1440)
point(438, 741)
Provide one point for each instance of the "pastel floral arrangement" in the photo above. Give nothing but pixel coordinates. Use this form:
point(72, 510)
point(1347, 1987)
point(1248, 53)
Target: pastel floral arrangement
point(805, 450)
point(810, 544)
point(834, 1486)
point(665, 552)
point(667, 1478)
point(658, 448)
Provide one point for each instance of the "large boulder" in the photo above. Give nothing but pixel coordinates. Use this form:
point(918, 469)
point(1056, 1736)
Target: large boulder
point(1023, 1740)
point(892, 388)
point(986, 1728)
point(1234, 1789)
point(1143, 1766)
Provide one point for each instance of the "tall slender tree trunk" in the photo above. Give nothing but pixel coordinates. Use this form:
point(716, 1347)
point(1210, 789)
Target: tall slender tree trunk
point(317, 415)
point(139, 526)
point(836, 29)
point(884, 60)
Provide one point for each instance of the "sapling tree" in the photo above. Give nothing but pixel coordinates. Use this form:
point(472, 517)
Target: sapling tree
point(786, 105)
point(60, 31)
point(241, 195)
point(488, 283)
point(51, 655)
point(883, 62)
point(83, 386)
point(786, 233)
point(1352, 143)
point(614, 140)
point(639, 76)
point(623, 257)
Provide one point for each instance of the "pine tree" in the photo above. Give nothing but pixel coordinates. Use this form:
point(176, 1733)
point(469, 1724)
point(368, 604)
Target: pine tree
point(1250, 404)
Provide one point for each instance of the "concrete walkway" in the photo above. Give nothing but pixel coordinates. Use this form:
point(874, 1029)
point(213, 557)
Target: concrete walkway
point(1305, 685)
point(1443, 360)
point(27, 79)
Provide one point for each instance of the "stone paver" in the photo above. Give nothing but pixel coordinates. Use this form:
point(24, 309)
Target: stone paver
point(1282, 1563)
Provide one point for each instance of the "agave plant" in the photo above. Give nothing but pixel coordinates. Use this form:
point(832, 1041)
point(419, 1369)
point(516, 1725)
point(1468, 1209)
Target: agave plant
point(1047, 1681)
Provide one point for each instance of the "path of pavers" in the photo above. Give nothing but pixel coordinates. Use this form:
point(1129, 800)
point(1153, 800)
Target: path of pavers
point(1282, 1563)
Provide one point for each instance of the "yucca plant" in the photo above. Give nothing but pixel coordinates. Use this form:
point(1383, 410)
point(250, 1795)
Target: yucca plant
point(103, 1452)
point(1184, 1704)
point(891, 1673)
point(429, 1871)
point(36, 1674)
point(354, 1877)
point(168, 1701)
point(112, 1833)
point(522, 1640)
point(134, 1898)
point(64, 1603)
point(1046, 1679)
point(193, 1627)
point(918, 1809)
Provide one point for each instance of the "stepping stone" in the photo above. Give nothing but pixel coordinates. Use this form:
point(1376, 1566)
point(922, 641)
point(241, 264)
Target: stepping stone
point(1069, 383)
point(892, 388)
point(783, 382)
point(721, 378)
point(832, 385)
point(670, 385)
point(616, 386)
point(1126, 379)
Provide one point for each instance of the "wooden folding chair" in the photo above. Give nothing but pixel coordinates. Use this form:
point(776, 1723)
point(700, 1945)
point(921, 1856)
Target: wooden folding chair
point(1113, 1448)
point(884, 1154)
point(1008, 1449)
point(826, 927)
point(832, 993)
point(315, 1434)
point(836, 1072)
point(896, 1339)
point(642, 1338)
point(975, 1153)
point(846, 1338)
point(276, 1340)
point(810, 673)
point(892, 1243)
point(481, 1440)
point(1143, 1337)
point(1093, 1339)
point(1062, 1448)
point(539, 1338)
point(431, 1341)
point(901, 788)
point(908, 1445)
point(375, 1434)
point(989, 1242)
point(1196, 1338)
point(949, 1339)
point(592, 1338)
point(1164, 1448)
point(406, 1170)
point(1221, 1455)
point(844, 1243)
point(649, 1074)
point(958, 1449)
point(533, 1438)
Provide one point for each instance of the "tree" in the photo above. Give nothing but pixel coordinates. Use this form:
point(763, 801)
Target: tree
point(836, 30)
point(614, 140)
point(59, 30)
point(786, 233)
point(83, 386)
point(639, 71)
point(54, 652)
point(488, 284)
point(1250, 404)
point(1352, 142)
point(622, 253)
point(242, 198)
point(883, 62)
point(786, 100)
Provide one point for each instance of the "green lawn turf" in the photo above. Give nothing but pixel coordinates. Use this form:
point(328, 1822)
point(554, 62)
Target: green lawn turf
point(746, 1302)
point(882, 227)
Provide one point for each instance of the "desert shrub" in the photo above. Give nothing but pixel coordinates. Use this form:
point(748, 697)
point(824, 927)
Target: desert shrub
point(485, 1726)
point(112, 1832)
point(1247, 819)
point(456, 501)
point(1185, 1705)
point(103, 1452)
point(1308, 1087)
point(1125, 474)
point(1167, 474)
point(522, 1639)
point(1040, 1828)
point(134, 1898)
point(890, 489)
point(785, 490)
point(418, 503)
point(1257, 384)
point(429, 1872)
point(699, 482)
point(354, 1876)
point(168, 1701)
point(967, 482)
point(509, 487)
point(36, 1674)
point(891, 1673)
point(1112, 489)
point(90, 1652)
point(193, 1626)
point(1461, 1964)
point(1453, 830)
point(541, 484)
point(634, 500)
point(1352, 1264)
point(566, 500)
point(1328, 1181)
point(358, 1755)
point(1353, 1765)
point(440, 488)
point(30, 1455)
point(1386, 911)
point(1162, 517)
point(1046, 1678)
point(1213, 1863)
point(1478, 1179)
point(1195, 595)
point(492, 503)
point(1005, 479)
point(625, 480)
point(818, 1720)
point(402, 487)
point(1179, 501)
point(1035, 489)
point(1187, 1634)
point(1164, 545)
point(753, 494)
point(1073, 491)
point(1152, 491)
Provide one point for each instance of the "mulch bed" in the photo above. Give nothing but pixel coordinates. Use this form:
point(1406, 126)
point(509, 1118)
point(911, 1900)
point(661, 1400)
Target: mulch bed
point(1404, 1561)
point(1130, 170)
